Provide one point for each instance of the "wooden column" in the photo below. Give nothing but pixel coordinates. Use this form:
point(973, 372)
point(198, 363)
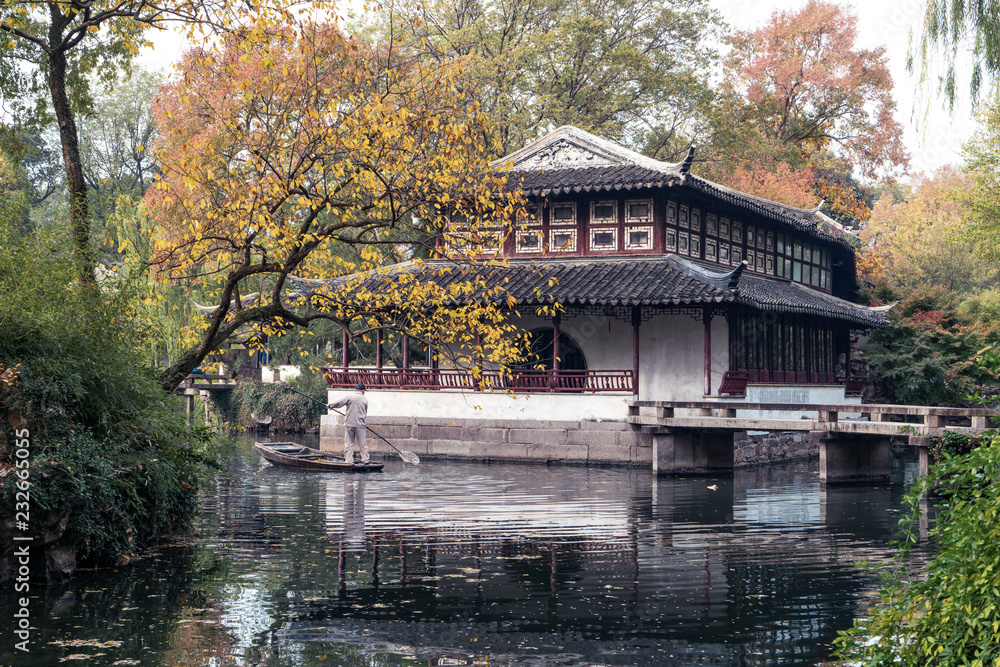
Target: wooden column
point(553, 379)
point(479, 356)
point(707, 318)
point(636, 321)
point(345, 358)
point(406, 360)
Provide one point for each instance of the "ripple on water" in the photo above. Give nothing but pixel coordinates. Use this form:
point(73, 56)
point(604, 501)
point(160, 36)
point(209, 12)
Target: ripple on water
point(464, 564)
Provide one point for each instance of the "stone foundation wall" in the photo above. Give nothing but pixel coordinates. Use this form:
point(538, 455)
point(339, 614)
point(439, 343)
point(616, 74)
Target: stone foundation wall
point(754, 447)
point(582, 442)
point(605, 443)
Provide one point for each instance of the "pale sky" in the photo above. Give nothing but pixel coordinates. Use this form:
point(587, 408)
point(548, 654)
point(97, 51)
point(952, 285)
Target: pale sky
point(933, 137)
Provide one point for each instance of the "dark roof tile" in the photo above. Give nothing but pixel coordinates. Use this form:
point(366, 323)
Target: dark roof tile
point(662, 280)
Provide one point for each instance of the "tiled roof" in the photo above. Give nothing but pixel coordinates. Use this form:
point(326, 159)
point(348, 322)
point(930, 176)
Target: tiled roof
point(784, 296)
point(662, 280)
point(589, 179)
point(569, 161)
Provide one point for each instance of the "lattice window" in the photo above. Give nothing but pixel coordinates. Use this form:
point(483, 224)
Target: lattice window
point(532, 216)
point(684, 217)
point(604, 238)
point(639, 238)
point(562, 240)
point(639, 211)
point(604, 212)
point(529, 241)
point(562, 213)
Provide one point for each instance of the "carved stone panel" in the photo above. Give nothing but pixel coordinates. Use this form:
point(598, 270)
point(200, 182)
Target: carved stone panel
point(564, 154)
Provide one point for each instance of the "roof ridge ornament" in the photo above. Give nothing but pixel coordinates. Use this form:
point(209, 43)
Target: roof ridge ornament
point(686, 164)
point(569, 147)
point(736, 274)
point(729, 280)
point(883, 309)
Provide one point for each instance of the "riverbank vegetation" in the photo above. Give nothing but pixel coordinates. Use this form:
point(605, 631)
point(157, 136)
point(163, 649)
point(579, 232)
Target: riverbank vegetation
point(252, 405)
point(945, 612)
point(113, 464)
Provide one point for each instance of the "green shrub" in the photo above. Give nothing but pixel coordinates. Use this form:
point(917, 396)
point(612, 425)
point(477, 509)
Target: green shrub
point(110, 451)
point(927, 356)
point(949, 614)
point(954, 444)
point(252, 402)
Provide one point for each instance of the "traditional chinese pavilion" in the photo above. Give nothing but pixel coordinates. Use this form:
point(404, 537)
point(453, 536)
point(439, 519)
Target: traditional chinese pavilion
point(673, 288)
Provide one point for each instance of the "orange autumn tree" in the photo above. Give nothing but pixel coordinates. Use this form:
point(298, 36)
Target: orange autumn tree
point(302, 153)
point(798, 91)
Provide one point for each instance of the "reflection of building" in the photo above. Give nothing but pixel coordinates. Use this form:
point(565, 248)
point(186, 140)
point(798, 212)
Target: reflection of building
point(673, 288)
point(666, 565)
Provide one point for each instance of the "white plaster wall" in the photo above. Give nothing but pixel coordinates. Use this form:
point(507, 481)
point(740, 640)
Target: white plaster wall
point(279, 373)
point(672, 358)
point(671, 350)
point(472, 405)
point(782, 393)
point(604, 349)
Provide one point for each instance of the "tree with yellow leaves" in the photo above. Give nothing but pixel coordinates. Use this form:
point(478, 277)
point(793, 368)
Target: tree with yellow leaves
point(51, 51)
point(927, 240)
point(296, 155)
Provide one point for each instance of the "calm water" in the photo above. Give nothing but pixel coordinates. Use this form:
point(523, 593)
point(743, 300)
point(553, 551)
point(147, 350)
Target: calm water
point(468, 564)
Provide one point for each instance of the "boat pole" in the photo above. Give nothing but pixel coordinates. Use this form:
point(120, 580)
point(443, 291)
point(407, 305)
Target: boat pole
point(408, 457)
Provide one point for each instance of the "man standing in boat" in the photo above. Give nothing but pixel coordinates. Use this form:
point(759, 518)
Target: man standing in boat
point(355, 423)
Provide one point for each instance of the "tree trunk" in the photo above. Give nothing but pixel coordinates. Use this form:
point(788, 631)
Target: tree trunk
point(78, 208)
point(217, 334)
point(172, 377)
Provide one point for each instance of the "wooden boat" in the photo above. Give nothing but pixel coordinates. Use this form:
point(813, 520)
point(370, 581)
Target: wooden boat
point(294, 455)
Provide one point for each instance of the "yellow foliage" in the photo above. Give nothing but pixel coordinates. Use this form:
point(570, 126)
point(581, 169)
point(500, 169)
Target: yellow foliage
point(299, 153)
point(925, 240)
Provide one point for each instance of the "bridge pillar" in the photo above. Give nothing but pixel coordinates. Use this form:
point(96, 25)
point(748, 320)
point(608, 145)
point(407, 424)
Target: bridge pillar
point(701, 452)
point(855, 458)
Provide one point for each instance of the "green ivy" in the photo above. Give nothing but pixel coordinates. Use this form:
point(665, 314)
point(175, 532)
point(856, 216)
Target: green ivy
point(952, 443)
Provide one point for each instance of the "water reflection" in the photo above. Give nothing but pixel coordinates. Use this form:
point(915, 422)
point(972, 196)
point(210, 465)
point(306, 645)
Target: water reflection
point(461, 564)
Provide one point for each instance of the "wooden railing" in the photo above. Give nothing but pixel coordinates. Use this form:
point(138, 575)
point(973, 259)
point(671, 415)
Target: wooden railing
point(521, 381)
point(734, 382)
point(855, 386)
